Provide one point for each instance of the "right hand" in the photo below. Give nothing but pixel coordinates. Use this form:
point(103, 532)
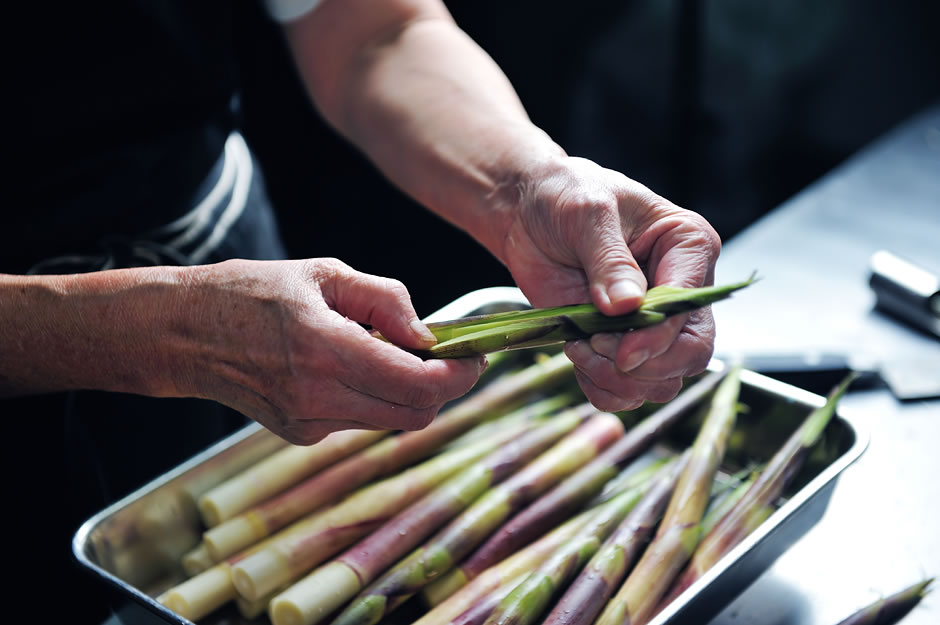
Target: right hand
point(580, 232)
point(279, 342)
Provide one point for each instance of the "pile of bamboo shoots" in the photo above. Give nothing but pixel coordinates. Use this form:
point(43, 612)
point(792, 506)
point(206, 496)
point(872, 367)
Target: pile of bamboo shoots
point(517, 505)
point(521, 503)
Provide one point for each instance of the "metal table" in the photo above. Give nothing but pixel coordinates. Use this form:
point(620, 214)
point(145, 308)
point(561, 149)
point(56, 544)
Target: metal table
point(879, 533)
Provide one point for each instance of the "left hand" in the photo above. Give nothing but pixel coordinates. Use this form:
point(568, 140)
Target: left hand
point(581, 233)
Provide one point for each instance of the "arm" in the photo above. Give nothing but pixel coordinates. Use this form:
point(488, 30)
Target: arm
point(277, 341)
point(430, 108)
point(437, 116)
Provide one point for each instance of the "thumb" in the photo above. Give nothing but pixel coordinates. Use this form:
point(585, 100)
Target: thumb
point(616, 281)
point(383, 303)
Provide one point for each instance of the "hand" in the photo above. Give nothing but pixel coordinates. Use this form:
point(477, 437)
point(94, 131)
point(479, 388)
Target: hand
point(278, 341)
point(581, 233)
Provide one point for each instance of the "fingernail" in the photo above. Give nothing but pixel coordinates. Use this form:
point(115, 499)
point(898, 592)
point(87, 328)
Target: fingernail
point(605, 345)
point(634, 360)
point(623, 289)
point(421, 331)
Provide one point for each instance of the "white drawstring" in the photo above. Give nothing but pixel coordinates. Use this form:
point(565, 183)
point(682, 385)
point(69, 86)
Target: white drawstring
point(244, 171)
point(204, 227)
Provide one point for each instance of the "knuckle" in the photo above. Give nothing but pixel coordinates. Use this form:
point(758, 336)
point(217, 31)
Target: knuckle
point(701, 324)
point(422, 397)
point(300, 436)
point(600, 398)
point(606, 375)
point(312, 431)
point(608, 402)
point(696, 347)
point(629, 404)
point(599, 206)
point(422, 418)
point(276, 420)
point(702, 233)
point(327, 267)
point(580, 353)
point(396, 289)
point(664, 391)
point(699, 358)
point(581, 205)
point(698, 361)
point(646, 198)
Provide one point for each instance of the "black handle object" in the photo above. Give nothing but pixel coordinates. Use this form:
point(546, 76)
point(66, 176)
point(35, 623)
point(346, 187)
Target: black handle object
point(906, 291)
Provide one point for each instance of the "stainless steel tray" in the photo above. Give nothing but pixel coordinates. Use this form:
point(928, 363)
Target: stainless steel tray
point(134, 546)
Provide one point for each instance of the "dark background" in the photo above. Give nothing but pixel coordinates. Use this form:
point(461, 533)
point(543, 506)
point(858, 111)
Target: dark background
point(725, 107)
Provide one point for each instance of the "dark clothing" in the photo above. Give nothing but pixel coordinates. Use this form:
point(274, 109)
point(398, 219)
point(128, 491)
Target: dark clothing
point(114, 443)
point(121, 122)
point(123, 110)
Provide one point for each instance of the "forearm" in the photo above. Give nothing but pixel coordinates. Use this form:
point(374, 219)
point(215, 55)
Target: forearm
point(434, 113)
point(104, 331)
point(438, 117)
point(279, 341)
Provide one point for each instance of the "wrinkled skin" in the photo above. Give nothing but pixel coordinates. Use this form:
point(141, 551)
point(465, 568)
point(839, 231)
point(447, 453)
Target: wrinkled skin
point(581, 233)
point(281, 341)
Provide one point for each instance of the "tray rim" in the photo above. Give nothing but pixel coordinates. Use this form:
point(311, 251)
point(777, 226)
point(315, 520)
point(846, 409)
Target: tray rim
point(460, 307)
point(793, 504)
point(81, 537)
